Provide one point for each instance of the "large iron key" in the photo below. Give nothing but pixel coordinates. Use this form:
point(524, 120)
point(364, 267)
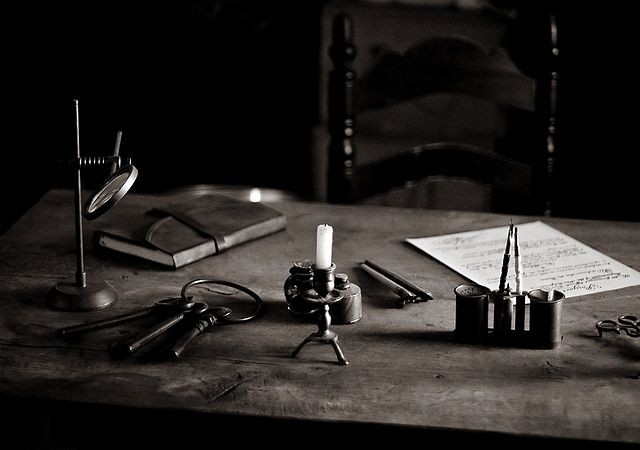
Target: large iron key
point(163, 307)
point(203, 321)
point(121, 349)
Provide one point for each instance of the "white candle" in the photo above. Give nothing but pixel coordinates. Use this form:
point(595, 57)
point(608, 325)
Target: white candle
point(324, 241)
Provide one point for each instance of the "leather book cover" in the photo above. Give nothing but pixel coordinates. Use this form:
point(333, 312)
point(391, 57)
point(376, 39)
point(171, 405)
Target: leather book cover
point(176, 231)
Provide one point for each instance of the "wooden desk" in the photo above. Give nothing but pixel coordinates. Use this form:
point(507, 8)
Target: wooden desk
point(406, 374)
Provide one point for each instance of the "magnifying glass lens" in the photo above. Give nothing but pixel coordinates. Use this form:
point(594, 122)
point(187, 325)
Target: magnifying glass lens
point(113, 189)
point(108, 191)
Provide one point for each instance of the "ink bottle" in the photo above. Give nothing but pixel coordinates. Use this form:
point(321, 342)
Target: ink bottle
point(299, 281)
point(349, 309)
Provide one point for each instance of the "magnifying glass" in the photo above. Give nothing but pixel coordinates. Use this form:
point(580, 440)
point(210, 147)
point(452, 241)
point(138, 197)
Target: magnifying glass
point(77, 293)
point(111, 192)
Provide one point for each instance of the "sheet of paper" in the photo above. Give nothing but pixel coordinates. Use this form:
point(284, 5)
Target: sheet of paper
point(550, 260)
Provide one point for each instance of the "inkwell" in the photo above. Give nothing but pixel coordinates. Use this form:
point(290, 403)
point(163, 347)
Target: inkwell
point(509, 309)
point(502, 299)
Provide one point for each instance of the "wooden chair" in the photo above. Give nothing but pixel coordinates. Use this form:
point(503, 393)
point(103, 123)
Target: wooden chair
point(379, 153)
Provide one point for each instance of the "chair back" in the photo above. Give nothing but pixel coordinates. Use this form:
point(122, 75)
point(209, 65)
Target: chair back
point(433, 116)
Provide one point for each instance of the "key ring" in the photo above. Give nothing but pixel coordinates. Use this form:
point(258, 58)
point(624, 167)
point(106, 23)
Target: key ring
point(231, 284)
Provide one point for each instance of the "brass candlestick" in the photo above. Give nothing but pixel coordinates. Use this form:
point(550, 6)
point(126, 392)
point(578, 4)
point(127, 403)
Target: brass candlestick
point(323, 294)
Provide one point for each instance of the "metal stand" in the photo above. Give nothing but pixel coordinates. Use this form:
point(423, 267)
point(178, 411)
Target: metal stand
point(70, 296)
point(323, 292)
point(76, 294)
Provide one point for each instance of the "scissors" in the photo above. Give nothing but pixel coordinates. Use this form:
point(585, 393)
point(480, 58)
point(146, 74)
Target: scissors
point(628, 323)
point(213, 315)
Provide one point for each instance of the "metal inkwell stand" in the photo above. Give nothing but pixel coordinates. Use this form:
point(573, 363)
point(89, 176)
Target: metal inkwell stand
point(509, 311)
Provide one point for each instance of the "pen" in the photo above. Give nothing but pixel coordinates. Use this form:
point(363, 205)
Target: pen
point(398, 280)
point(505, 260)
point(516, 255)
point(405, 296)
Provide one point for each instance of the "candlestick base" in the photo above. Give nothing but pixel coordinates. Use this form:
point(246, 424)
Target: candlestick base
point(324, 336)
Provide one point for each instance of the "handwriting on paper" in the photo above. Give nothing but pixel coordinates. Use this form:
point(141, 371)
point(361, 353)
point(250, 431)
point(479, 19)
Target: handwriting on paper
point(550, 260)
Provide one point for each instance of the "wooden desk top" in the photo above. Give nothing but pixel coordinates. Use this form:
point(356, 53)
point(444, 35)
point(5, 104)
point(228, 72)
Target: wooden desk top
point(405, 369)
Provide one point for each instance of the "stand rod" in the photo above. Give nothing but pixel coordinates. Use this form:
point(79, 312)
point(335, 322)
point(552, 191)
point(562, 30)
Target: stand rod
point(81, 275)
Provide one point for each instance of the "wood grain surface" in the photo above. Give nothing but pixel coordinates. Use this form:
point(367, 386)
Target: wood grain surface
point(405, 368)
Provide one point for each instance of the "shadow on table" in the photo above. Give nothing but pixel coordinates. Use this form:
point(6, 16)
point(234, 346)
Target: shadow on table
point(27, 424)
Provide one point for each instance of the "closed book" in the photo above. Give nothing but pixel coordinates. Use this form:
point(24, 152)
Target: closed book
point(178, 231)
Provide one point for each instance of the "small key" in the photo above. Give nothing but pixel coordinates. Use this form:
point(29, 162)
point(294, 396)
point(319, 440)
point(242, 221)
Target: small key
point(121, 349)
point(203, 321)
point(163, 308)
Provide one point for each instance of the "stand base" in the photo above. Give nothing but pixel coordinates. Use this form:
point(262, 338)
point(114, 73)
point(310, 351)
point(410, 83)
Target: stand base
point(67, 296)
point(324, 337)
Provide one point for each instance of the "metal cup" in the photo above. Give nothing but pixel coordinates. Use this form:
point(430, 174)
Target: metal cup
point(472, 313)
point(349, 309)
point(503, 309)
point(545, 318)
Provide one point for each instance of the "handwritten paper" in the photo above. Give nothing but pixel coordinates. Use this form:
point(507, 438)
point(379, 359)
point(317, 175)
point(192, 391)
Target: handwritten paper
point(550, 260)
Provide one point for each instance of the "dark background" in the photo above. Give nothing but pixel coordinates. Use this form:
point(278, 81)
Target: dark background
point(226, 92)
point(205, 92)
